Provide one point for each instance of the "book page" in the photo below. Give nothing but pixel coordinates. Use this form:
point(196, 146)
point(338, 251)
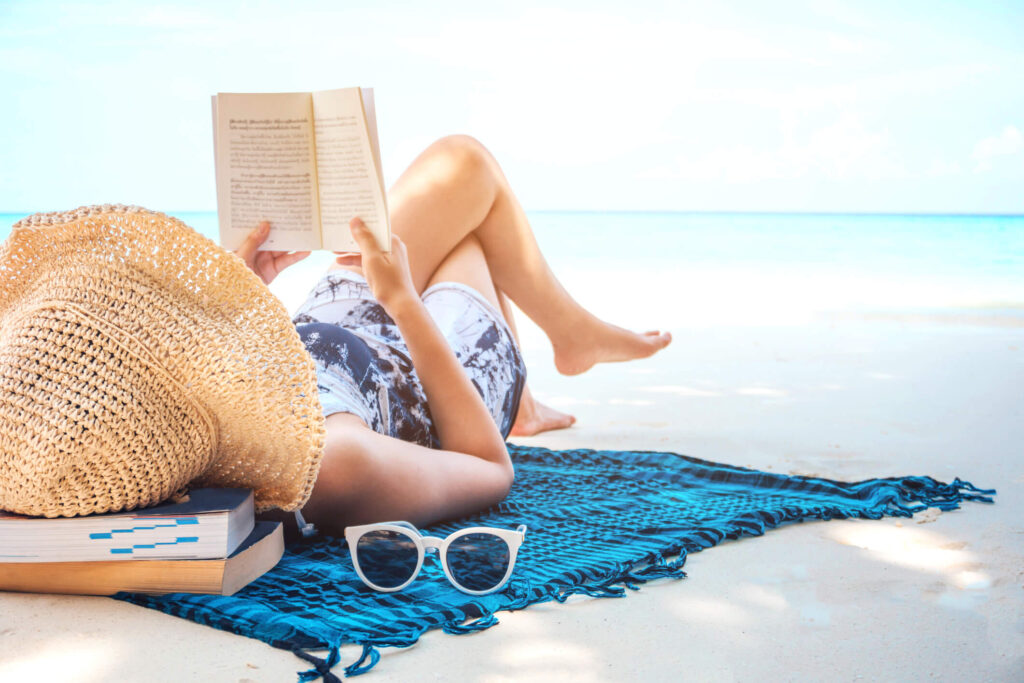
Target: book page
point(347, 164)
point(370, 109)
point(266, 169)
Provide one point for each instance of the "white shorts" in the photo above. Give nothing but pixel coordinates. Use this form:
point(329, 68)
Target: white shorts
point(363, 364)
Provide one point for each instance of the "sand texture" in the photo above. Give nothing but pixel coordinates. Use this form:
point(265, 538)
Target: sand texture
point(940, 596)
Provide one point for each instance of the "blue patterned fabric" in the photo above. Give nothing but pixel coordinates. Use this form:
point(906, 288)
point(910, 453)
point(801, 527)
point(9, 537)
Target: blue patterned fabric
point(363, 365)
point(599, 522)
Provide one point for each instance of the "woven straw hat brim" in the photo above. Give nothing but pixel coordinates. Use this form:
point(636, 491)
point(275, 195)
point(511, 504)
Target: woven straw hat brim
point(137, 356)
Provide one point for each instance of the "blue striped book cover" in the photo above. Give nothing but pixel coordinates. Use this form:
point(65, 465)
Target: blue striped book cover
point(209, 523)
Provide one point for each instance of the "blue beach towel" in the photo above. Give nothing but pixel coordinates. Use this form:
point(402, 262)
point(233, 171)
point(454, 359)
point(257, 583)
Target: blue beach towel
point(600, 522)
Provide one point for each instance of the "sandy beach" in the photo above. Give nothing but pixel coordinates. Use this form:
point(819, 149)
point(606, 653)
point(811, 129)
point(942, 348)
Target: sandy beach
point(842, 393)
point(821, 201)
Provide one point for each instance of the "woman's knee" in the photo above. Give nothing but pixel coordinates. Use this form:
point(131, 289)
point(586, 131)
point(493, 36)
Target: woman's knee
point(467, 152)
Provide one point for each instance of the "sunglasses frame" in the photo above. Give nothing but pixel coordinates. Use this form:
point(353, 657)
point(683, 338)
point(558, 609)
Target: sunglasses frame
point(512, 538)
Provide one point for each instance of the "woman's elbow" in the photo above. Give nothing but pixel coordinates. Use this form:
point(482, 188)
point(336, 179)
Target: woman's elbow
point(506, 477)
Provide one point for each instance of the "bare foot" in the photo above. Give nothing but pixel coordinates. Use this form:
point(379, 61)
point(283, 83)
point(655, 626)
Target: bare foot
point(601, 342)
point(534, 417)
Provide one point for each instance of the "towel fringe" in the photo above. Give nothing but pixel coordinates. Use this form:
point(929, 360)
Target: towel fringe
point(456, 628)
point(356, 667)
point(321, 667)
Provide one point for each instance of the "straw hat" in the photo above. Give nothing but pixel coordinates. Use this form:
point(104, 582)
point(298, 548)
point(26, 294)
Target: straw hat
point(138, 357)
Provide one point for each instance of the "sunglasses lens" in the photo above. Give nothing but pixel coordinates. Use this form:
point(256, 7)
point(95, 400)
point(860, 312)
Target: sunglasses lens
point(478, 562)
point(386, 558)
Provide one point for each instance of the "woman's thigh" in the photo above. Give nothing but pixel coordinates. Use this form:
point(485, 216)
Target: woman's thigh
point(442, 197)
point(482, 340)
point(467, 265)
point(435, 205)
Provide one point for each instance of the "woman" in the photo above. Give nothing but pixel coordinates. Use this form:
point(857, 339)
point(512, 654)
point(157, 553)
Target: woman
point(460, 241)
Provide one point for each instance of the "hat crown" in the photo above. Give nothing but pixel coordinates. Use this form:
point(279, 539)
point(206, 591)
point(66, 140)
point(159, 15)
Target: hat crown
point(137, 356)
point(89, 420)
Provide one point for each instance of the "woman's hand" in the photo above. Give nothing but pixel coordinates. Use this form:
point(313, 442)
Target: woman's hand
point(266, 264)
point(386, 272)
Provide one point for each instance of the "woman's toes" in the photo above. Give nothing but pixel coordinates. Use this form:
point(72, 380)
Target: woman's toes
point(648, 343)
point(608, 344)
point(661, 339)
point(537, 418)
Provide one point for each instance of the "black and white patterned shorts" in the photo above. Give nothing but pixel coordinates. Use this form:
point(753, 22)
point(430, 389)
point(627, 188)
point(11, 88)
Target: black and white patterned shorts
point(363, 365)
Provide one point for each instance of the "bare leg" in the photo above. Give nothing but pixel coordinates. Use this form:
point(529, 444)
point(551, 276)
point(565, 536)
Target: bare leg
point(455, 188)
point(533, 417)
point(466, 264)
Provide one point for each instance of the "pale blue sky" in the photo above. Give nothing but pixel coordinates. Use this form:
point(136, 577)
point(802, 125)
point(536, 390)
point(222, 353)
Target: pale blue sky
point(741, 106)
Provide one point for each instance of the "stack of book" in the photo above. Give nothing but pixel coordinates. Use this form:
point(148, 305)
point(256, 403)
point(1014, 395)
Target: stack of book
point(209, 542)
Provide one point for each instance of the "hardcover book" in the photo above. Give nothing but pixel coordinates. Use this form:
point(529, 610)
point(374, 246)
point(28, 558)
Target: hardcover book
point(210, 523)
point(255, 556)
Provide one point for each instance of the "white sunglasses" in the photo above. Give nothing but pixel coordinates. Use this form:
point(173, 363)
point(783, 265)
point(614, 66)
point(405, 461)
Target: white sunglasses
point(477, 560)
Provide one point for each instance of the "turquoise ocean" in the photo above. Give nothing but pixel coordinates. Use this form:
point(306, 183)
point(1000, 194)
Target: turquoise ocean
point(764, 264)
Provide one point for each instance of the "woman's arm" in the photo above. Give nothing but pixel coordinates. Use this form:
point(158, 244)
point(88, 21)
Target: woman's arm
point(368, 477)
point(463, 422)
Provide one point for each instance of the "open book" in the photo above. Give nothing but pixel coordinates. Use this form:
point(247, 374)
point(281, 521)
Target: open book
point(306, 162)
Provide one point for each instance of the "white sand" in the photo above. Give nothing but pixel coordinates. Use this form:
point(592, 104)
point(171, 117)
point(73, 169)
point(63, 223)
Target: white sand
point(939, 596)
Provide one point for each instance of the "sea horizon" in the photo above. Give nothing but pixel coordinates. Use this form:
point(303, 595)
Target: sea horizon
point(755, 267)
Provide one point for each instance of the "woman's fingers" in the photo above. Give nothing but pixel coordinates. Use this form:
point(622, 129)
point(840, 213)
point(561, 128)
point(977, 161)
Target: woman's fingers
point(269, 264)
point(284, 259)
point(251, 245)
point(263, 264)
point(349, 260)
point(266, 264)
point(363, 237)
point(397, 246)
